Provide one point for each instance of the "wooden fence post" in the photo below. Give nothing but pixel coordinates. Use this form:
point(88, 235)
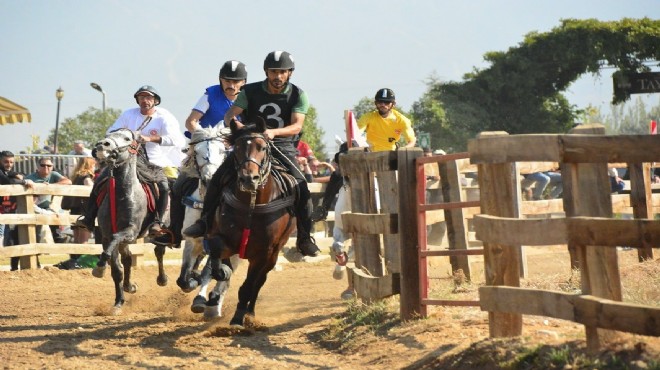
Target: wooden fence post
point(587, 192)
point(498, 188)
point(410, 295)
point(641, 199)
point(455, 218)
point(27, 234)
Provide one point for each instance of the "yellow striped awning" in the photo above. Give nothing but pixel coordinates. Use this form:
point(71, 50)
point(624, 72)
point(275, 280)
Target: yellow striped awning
point(11, 112)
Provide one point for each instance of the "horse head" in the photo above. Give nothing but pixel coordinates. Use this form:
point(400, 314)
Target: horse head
point(207, 151)
point(117, 147)
point(251, 154)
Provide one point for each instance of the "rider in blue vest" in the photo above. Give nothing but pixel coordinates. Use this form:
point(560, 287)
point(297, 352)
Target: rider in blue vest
point(208, 112)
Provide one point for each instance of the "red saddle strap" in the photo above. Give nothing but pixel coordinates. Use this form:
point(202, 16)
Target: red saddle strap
point(110, 188)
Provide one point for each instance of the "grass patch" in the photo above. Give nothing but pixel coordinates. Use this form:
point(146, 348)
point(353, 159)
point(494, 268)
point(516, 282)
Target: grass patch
point(361, 323)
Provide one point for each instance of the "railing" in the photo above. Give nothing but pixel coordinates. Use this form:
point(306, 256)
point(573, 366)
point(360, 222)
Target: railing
point(587, 228)
point(27, 220)
point(28, 163)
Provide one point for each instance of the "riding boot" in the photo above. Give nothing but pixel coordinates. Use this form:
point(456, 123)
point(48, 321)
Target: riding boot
point(304, 241)
point(161, 206)
point(177, 214)
point(87, 219)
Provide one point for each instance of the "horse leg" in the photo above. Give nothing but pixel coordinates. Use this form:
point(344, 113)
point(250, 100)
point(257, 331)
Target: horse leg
point(188, 279)
point(246, 293)
point(117, 277)
point(101, 265)
point(216, 298)
point(259, 281)
point(200, 302)
point(162, 279)
point(127, 261)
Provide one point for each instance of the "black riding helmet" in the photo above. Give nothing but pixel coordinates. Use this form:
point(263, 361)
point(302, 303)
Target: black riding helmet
point(384, 94)
point(150, 89)
point(233, 70)
point(279, 59)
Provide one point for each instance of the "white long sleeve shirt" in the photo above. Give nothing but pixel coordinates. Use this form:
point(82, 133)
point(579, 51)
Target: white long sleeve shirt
point(164, 124)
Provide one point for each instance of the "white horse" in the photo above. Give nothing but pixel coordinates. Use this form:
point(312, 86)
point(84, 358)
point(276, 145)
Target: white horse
point(205, 154)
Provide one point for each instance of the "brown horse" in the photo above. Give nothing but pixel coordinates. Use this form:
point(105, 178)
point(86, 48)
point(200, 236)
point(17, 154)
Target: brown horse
point(256, 216)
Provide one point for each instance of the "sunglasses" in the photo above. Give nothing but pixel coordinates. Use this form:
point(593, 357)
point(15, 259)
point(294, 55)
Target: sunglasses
point(46, 165)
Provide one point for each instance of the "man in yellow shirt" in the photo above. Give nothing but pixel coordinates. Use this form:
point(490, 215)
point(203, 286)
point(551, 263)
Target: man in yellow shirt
point(385, 125)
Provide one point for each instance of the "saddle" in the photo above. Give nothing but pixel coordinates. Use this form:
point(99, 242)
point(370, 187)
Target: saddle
point(150, 191)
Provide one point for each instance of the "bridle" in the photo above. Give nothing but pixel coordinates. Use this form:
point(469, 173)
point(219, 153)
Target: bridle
point(264, 165)
point(206, 158)
point(131, 147)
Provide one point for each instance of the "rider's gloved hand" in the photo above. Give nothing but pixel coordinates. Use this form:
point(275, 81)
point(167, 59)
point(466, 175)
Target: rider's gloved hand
point(319, 214)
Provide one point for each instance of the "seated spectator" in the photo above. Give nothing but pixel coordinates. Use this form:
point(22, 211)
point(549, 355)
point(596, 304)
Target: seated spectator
point(323, 172)
point(46, 175)
point(10, 177)
point(83, 174)
point(540, 181)
point(616, 183)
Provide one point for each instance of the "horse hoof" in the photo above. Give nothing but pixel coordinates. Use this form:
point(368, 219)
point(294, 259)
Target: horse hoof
point(131, 288)
point(338, 273)
point(98, 272)
point(198, 305)
point(212, 312)
point(237, 320)
point(162, 280)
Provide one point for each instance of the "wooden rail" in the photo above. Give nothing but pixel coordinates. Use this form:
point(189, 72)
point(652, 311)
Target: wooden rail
point(588, 228)
point(27, 221)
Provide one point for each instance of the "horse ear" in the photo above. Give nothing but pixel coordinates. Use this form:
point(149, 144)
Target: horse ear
point(261, 124)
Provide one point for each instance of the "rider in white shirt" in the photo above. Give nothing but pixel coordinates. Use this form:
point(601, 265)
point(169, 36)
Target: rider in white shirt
point(158, 128)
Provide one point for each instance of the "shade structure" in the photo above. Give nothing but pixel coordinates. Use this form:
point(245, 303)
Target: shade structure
point(11, 112)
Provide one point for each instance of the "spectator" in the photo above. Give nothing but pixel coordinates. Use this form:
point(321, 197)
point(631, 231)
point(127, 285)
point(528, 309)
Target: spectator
point(79, 149)
point(46, 175)
point(616, 183)
point(208, 112)
point(8, 176)
point(83, 174)
point(385, 126)
point(540, 181)
point(338, 191)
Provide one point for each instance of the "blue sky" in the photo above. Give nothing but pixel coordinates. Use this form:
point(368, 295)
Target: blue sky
point(344, 50)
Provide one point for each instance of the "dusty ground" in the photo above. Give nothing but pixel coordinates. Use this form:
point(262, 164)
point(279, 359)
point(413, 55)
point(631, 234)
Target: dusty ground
point(55, 319)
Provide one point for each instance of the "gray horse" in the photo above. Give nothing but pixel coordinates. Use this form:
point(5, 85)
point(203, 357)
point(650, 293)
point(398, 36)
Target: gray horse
point(205, 154)
point(123, 215)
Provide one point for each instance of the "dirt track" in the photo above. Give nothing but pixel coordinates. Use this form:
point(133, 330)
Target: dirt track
point(56, 319)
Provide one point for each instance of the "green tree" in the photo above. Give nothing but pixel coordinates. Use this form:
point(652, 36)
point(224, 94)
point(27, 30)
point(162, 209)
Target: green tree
point(89, 126)
point(313, 134)
point(521, 92)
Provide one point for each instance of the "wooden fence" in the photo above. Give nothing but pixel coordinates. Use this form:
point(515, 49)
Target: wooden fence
point(27, 221)
point(588, 228)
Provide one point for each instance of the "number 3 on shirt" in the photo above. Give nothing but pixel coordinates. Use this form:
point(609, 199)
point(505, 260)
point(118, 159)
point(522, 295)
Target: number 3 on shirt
point(275, 115)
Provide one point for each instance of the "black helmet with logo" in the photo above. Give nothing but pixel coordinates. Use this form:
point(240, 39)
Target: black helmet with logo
point(148, 89)
point(233, 70)
point(384, 95)
point(279, 59)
